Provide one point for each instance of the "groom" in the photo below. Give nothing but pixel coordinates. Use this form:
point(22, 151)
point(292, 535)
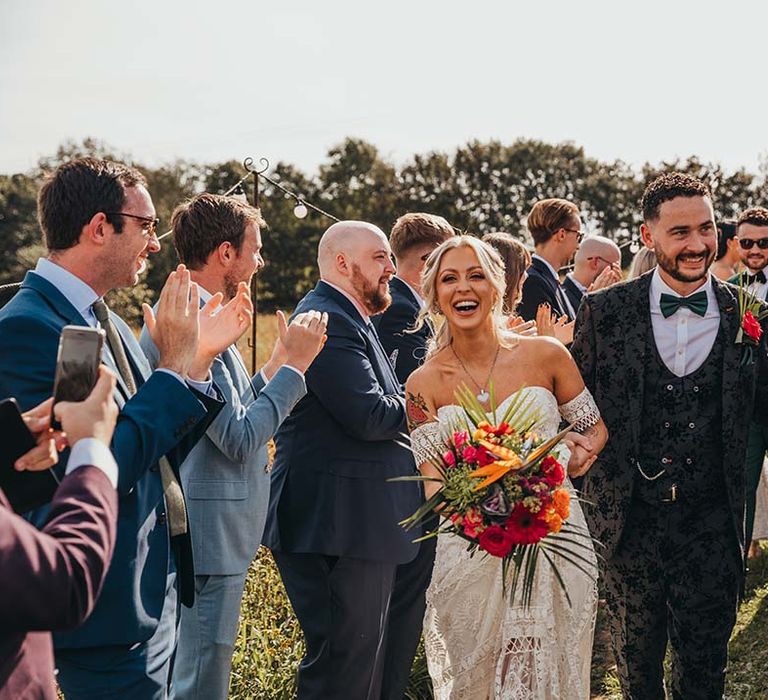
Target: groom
point(667, 493)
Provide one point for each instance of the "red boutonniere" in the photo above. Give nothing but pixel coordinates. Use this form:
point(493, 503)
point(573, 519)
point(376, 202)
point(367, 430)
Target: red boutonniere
point(751, 312)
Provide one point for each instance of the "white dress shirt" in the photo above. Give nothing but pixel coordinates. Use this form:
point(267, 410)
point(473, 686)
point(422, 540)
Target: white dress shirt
point(685, 339)
point(757, 289)
point(93, 452)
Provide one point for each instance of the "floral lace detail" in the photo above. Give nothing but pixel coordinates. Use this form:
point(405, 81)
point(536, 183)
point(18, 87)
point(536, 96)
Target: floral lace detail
point(581, 411)
point(481, 647)
point(424, 440)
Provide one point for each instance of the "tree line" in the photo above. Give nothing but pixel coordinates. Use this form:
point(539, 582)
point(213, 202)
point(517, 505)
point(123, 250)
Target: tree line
point(480, 187)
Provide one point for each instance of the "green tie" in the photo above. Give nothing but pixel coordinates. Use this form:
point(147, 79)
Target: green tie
point(696, 303)
point(174, 497)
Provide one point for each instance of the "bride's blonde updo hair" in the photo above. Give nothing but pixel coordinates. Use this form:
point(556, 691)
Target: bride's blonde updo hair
point(493, 268)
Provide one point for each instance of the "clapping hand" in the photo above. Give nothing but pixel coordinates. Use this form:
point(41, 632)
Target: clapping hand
point(220, 327)
point(610, 275)
point(549, 324)
point(175, 329)
point(520, 327)
point(297, 345)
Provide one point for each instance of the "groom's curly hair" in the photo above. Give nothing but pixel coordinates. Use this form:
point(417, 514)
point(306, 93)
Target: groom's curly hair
point(757, 216)
point(667, 187)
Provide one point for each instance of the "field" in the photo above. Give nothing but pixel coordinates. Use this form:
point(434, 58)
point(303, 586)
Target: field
point(270, 645)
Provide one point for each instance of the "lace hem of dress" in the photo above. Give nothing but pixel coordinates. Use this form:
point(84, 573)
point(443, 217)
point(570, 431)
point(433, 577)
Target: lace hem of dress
point(581, 411)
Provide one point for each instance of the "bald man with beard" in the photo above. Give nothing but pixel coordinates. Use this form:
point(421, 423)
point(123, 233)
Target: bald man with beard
point(333, 516)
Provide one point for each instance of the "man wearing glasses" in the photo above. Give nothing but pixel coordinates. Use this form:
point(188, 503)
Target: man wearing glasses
point(99, 225)
point(597, 265)
point(752, 236)
point(556, 228)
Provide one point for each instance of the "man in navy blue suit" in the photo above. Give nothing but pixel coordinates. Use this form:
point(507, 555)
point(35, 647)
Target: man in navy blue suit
point(99, 225)
point(413, 237)
point(556, 229)
point(332, 522)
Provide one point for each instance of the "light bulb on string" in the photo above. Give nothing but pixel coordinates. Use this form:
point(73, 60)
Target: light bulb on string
point(300, 211)
point(634, 247)
point(239, 194)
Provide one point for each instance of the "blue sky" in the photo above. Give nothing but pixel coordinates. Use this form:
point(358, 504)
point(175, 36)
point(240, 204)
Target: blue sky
point(287, 80)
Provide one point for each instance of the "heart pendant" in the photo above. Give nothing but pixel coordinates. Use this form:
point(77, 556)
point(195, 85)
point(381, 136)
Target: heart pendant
point(483, 397)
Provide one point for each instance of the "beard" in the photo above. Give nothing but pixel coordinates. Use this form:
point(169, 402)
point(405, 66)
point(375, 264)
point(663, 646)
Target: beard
point(672, 265)
point(371, 297)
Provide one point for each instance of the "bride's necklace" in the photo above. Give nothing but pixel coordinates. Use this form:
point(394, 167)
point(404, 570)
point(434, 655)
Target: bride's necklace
point(482, 393)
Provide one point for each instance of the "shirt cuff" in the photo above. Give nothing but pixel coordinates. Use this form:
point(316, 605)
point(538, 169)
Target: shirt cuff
point(290, 367)
point(204, 387)
point(94, 453)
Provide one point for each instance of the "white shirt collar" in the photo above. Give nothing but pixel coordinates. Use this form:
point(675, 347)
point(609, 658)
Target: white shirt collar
point(659, 287)
point(358, 306)
point(578, 284)
point(548, 264)
point(77, 292)
point(416, 295)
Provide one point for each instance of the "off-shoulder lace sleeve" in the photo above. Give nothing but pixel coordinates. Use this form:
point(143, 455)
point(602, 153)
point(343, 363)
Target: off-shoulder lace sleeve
point(582, 411)
point(426, 441)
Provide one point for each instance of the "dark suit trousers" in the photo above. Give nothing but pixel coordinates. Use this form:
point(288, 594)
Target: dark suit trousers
point(757, 444)
point(342, 605)
point(140, 672)
point(675, 577)
point(406, 618)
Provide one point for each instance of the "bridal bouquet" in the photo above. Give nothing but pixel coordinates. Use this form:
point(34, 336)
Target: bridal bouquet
point(503, 491)
point(751, 312)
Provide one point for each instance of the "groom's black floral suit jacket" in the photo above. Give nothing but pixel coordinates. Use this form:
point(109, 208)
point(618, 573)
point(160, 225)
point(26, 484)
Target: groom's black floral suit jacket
point(610, 347)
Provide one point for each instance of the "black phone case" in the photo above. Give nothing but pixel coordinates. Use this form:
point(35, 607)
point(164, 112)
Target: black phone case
point(25, 490)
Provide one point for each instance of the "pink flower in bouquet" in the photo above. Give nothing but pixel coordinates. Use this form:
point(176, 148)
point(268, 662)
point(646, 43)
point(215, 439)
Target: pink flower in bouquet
point(525, 527)
point(496, 541)
point(470, 454)
point(449, 458)
point(460, 438)
point(473, 522)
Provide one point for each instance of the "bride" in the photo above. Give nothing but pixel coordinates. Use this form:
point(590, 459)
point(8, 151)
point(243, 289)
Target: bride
point(478, 645)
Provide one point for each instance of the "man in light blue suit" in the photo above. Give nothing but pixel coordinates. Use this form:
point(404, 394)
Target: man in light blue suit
point(99, 225)
point(225, 476)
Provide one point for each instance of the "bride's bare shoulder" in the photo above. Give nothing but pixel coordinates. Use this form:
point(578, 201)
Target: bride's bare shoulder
point(542, 346)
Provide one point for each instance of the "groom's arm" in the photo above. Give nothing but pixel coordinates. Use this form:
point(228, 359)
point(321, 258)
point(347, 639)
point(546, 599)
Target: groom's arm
point(583, 349)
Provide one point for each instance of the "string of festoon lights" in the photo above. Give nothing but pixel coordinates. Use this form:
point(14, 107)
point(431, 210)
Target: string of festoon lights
point(300, 211)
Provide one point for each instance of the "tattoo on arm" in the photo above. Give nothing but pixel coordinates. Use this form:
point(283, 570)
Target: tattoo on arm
point(416, 410)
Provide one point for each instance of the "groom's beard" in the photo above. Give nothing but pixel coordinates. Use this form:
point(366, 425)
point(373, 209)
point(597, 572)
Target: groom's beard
point(672, 265)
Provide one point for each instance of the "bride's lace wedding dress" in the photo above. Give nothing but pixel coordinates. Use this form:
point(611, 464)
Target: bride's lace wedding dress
point(478, 646)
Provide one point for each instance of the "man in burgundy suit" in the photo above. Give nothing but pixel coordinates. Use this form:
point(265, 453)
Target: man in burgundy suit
point(52, 577)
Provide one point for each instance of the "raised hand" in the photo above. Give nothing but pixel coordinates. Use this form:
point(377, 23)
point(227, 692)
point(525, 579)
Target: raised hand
point(516, 324)
point(304, 339)
point(610, 275)
point(220, 327)
point(175, 329)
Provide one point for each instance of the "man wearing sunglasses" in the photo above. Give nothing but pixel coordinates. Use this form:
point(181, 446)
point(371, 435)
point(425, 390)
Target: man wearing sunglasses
point(752, 236)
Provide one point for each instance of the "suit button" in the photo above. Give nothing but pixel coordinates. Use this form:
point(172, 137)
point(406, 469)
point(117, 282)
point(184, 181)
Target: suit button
point(667, 424)
point(161, 519)
point(689, 461)
point(669, 387)
point(695, 390)
point(691, 425)
point(666, 460)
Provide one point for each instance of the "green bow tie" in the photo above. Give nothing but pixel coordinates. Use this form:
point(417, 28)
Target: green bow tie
point(696, 303)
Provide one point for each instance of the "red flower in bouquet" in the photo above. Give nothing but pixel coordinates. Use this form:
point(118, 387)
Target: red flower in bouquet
point(449, 458)
point(473, 523)
point(751, 327)
point(496, 541)
point(553, 472)
point(525, 527)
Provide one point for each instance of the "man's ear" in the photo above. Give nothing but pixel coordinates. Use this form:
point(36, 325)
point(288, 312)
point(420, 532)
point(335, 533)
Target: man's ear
point(226, 253)
point(646, 237)
point(342, 264)
point(95, 230)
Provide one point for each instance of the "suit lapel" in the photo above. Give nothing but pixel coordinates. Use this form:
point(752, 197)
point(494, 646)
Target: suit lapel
point(637, 332)
point(732, 374)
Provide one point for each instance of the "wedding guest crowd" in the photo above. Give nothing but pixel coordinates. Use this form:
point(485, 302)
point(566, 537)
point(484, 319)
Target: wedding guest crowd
point(166, 494)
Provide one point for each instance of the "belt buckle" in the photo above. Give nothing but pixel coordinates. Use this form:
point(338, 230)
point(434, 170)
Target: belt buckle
point(672, 495)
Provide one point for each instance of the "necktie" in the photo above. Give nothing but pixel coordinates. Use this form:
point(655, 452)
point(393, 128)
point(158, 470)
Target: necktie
point(174, 497)
point(757, 277)
point(696, 303)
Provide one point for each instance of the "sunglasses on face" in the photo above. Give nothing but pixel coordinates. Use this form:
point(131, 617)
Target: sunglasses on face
point(579, 234)
point(747, 243)
point(148, 224)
